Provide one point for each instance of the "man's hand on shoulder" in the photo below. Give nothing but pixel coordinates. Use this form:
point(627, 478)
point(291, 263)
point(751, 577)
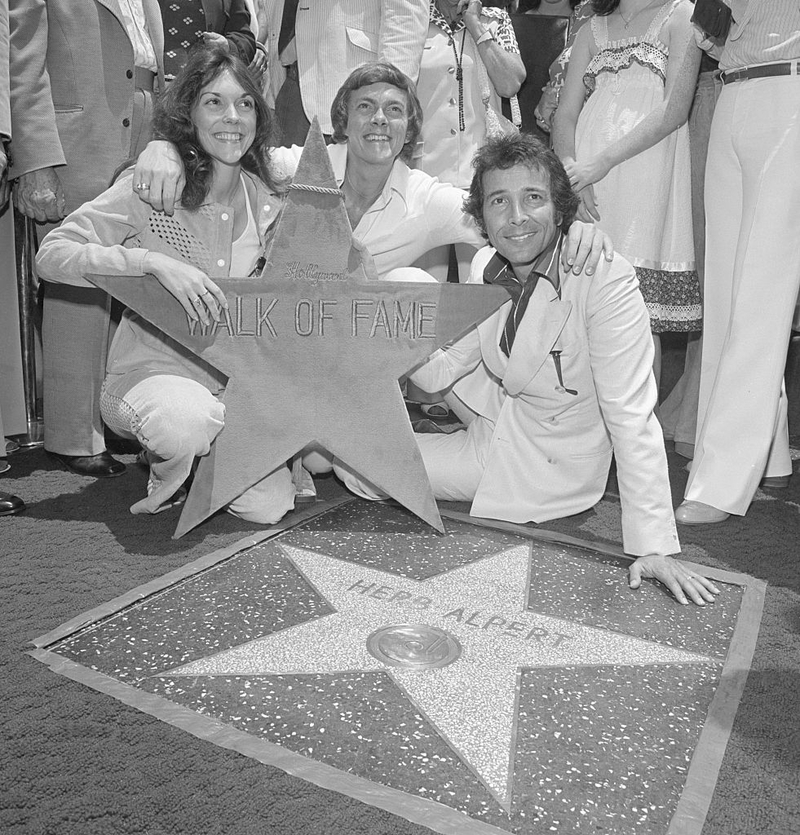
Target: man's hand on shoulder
point(158, 178)
point(583, 247)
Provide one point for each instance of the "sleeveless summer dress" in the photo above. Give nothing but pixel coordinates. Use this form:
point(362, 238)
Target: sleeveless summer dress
point(644, 202)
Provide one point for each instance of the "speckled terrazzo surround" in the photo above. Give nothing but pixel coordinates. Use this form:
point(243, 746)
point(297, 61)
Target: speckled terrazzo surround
point(576, 705)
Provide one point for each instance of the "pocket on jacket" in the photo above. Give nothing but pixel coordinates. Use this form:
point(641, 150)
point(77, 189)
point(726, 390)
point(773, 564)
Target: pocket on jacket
point(68, 108)
point(362, 39)
point(590, 456)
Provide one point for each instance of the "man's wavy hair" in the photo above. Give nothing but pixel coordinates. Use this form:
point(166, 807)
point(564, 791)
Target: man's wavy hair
point(521, 149)
point(172, 120)
point(377, 73)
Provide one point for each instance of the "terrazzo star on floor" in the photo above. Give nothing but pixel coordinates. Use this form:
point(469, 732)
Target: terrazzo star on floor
point(478, 681)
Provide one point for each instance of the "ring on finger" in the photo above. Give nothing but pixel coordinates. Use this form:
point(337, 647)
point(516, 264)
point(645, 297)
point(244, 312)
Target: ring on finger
point(195, 299)
point(142, 186)
point(204, 294)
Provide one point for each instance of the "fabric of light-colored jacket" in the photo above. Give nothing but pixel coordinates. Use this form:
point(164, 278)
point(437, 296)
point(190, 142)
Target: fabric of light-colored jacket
point(336, 36)
point(72, 91)
point(5, 103)
point(551, 450)
point(112, 234)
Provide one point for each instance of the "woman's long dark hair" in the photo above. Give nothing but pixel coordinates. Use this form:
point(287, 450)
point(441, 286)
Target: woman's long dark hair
point(532, 5)
point(604, 7)
point(172, 120)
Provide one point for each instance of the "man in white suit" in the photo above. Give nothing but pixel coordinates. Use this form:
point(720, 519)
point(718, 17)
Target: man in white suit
point(312, 53)
point(559, 378)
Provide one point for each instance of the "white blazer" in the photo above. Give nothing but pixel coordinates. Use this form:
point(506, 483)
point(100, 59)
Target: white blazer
point(336, 36)
point(550, 450)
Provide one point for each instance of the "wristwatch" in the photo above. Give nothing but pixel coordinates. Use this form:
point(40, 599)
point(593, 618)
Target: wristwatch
point(488, 35)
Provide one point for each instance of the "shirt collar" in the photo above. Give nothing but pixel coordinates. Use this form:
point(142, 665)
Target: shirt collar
point(545, 266)
point(396, 184)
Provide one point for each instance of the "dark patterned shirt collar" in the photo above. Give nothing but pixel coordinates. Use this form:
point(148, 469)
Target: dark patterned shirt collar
point(499, 271)
point(438, 19)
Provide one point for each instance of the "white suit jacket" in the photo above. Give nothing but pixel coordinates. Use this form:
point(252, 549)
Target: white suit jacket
point(550, 451)
point(336, 36)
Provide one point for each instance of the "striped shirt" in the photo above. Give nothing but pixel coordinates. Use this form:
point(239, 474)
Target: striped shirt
point(763, 31)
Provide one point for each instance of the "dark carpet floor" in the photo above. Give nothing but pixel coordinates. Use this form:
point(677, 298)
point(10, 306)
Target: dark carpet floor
point(75, 761)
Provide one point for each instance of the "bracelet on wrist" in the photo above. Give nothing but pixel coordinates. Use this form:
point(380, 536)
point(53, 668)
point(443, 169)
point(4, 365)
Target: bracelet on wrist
point(487, 35)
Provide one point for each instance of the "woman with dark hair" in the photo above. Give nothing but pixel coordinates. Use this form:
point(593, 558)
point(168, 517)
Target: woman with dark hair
point(560, 378)
point(156, 391)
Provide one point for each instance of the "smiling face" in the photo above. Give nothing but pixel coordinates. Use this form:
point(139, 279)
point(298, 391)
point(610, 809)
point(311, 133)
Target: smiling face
point(225, 119)
point(377, 123)
point(519, 215)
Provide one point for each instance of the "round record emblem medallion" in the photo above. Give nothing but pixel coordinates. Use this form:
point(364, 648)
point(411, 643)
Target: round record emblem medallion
point(414, 646)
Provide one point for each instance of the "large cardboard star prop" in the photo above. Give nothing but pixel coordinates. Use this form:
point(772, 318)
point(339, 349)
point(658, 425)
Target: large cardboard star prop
point(313, 352)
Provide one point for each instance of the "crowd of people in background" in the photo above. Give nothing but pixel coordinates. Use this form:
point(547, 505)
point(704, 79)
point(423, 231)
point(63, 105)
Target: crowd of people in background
point(674, 126)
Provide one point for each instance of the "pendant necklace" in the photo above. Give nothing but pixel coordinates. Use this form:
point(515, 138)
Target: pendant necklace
point(627, 21)
point(459, 56)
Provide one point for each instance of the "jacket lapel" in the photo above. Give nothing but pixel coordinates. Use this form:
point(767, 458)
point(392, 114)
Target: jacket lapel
point(113, 7)
point(537, 334)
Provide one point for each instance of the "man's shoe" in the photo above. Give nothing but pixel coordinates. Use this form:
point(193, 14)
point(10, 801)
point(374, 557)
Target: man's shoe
point(775, 482)
point(9, 505)
point(697, 513)
point(101, 465)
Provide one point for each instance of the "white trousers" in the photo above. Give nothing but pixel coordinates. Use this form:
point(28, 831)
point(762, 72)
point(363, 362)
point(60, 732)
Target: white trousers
point(175, 420)
point(752, 276)
point(455, 463)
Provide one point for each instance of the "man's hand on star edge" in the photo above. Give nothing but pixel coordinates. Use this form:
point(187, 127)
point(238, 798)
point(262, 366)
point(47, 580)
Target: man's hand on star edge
point(680, 580)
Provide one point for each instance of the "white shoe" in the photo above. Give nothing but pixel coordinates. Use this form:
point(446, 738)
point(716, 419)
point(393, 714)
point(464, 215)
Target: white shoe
point(697, 513)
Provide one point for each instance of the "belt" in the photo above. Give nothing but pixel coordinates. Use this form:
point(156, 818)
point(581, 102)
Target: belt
point(143, 79)
point(763, 71)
